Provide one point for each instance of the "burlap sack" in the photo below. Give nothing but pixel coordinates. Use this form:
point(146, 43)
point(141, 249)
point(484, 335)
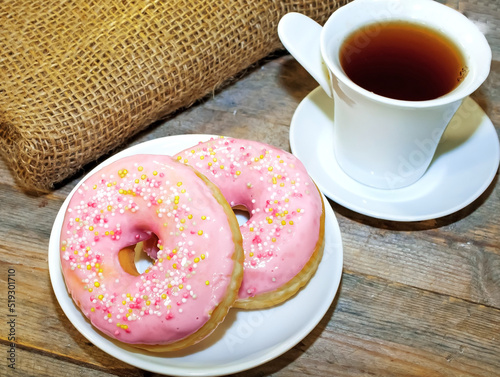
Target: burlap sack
point(79, 77)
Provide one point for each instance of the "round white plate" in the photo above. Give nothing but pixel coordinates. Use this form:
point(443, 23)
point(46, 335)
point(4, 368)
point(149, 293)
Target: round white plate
point(246, 338)
point(464, 165)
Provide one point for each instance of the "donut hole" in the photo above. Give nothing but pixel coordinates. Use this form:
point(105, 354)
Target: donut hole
point(136, 259)
point(142, 260)
point(242, 214)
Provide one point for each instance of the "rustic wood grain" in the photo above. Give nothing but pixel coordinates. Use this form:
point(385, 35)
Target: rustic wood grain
point(416, 299)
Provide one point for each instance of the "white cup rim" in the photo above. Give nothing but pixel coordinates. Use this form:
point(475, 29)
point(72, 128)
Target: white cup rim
point(472, 38)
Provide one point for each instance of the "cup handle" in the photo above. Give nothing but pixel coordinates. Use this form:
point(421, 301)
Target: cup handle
point(301, 37)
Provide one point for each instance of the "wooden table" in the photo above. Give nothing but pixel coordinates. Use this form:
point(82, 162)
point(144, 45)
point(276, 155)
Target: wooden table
point(416, 299)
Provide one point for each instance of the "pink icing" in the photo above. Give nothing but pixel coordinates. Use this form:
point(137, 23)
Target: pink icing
point(282, 200)
point(124, 203)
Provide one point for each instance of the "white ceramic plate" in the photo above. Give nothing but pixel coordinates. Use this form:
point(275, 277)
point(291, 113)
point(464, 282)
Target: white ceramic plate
point(246, 338)
point(464, 165)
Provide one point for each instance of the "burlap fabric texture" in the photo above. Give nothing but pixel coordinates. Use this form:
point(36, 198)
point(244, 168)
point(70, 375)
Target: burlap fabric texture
point(79, 77)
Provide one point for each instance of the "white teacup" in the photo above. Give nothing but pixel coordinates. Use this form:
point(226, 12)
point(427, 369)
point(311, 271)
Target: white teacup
point(379, 141)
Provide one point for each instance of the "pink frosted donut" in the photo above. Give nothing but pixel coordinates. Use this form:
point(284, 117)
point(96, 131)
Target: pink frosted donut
point(283, 238)
point(197, 271)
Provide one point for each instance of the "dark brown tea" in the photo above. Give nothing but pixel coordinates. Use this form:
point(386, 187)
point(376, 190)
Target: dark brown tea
point(402, 60)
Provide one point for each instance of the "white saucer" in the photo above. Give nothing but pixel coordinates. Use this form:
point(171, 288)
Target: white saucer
point(465, 164)
point(246, 338)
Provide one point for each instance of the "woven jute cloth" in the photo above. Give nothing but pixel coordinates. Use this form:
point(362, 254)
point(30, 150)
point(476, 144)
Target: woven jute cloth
point(80, 77)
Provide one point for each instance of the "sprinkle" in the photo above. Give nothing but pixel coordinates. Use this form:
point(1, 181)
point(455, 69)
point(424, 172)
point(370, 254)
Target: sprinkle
point(200, 232)
point(96, 284)
point(207, 282)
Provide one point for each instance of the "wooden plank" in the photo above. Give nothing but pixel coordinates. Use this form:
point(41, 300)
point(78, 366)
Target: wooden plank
point(40, 364)
point(458, 257)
